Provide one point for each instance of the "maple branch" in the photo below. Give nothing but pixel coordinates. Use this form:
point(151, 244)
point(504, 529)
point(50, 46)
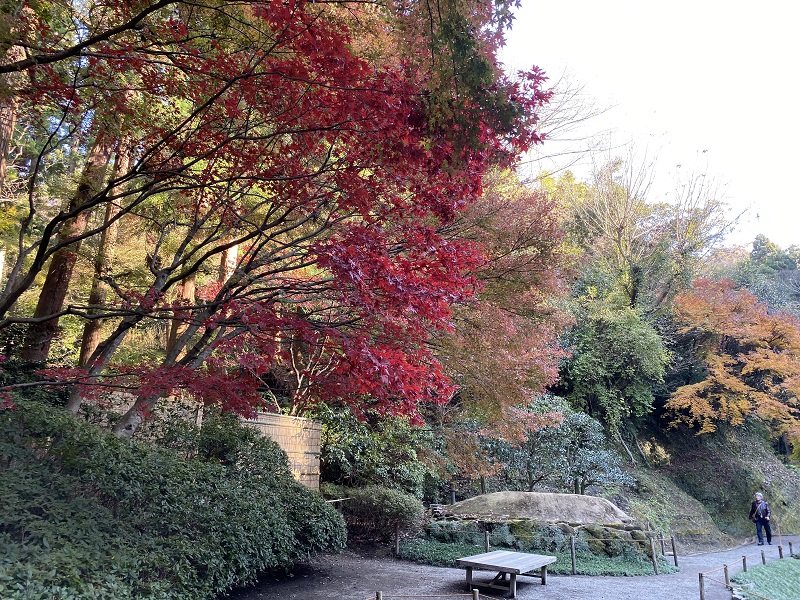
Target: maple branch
point(76, 50)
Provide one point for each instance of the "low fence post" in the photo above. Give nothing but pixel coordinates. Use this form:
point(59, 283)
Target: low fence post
point(744, 564)
point(572, 553)
point(702, 588)
point(486, 540)
point(727, 577)
point(674, 551)
point(763, 558)
point(476, 595)
point(791, 551)
point(654, 556)
point(378, 595)
point(780, 551)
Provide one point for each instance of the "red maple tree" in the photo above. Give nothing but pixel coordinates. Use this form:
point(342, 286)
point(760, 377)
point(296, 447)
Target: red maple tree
point(259, 130)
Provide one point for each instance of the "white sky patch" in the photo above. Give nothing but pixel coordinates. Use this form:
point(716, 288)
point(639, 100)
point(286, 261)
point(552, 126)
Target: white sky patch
point(709, 85)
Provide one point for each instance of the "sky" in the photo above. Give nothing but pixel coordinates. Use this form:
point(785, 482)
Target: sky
point(705, 85)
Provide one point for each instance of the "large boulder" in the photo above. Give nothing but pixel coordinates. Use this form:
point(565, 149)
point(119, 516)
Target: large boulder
point(545, 507)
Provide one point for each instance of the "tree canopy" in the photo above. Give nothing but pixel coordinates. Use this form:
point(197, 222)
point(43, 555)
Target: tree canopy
point(283, 184)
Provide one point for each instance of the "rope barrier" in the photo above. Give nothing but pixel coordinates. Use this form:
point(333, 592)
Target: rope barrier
point(703, 577)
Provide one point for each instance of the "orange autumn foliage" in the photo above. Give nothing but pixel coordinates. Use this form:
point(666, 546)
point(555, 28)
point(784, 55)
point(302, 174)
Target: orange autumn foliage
point(750, 360)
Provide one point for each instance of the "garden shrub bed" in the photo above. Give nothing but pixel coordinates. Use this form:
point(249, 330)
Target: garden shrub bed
point(600, 550)
point(88, 515)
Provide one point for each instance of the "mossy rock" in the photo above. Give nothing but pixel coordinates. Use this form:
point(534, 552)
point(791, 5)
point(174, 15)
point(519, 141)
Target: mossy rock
point(594, 530)
point(524, 527)
point(597, 547)
point(566, 528)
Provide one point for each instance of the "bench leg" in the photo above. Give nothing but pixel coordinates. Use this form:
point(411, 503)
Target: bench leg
point(544, 575)
point(469, 578)
point(512, 586)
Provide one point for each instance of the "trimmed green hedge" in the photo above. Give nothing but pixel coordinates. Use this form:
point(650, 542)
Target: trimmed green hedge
point(84, 514)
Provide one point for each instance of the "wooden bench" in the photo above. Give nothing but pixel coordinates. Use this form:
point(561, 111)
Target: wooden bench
point(505, 563)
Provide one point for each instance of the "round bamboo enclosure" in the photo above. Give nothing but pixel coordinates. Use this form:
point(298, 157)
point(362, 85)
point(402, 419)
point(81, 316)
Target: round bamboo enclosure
point(299, 438)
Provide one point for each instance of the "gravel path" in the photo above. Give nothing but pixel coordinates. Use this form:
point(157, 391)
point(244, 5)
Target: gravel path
point(349, 576)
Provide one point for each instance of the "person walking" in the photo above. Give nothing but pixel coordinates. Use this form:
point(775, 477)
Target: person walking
point(759, 514)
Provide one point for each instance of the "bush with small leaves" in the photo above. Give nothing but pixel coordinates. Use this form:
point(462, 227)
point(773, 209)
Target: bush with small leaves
point(84, 514)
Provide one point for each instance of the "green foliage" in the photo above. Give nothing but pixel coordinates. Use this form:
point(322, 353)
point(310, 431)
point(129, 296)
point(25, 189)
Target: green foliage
point(374, 512)
point(617, 359)
point(465, 532)
point(378, 451)
point(547, 538)
point(432, 552)
point(19, 372)
point(770, 273)
point(776, 580)
point(439, 554)
point(87, 515)
point(570, 456)
point(743, 460)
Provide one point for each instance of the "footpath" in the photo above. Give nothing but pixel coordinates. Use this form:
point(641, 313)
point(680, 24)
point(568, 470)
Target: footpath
point(348, 576)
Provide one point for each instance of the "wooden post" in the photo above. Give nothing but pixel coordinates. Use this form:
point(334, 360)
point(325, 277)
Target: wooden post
point(744, 564)
point(486, 540)
point(763, 558)
point(780, 551)
point(663, 548)
point(452, 496)
point(654, 556)
point(791, 552)
point(476, 595)
point(378, 595)
point(674, 551)
point(397, 540)
point(727, 578)
point(702, 588)
point(572, 553)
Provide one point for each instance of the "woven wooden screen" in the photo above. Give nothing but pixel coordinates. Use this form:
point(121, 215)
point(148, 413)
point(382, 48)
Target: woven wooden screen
point(299, 438)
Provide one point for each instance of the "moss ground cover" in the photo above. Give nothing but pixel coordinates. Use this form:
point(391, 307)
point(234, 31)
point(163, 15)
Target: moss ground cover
point(431, 552)
point(779, 580)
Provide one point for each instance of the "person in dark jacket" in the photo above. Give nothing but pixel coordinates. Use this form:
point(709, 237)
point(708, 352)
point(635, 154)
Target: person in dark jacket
point(760, 514)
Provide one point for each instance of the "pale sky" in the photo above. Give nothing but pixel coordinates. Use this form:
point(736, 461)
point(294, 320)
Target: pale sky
point(705, 84)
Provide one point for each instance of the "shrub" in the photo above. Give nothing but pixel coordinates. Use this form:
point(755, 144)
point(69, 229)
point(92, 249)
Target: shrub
point(374, 512)
point(454, 532)
point(87, 515)
point(383, 451)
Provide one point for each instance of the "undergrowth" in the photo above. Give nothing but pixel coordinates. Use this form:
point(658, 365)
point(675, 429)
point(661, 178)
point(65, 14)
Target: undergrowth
point(441, 554)
point(86, 515)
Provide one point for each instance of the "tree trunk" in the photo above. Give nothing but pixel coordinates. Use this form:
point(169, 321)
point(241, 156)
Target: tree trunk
point(2, 265)
point(8, 110)
point(8, 119)
point(135, 416)
point(227, 263)
point(102, 264)
point(54, 291)
point(186, 289)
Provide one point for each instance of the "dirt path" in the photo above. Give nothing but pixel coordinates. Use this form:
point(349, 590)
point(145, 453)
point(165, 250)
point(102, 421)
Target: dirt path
point(348, 576)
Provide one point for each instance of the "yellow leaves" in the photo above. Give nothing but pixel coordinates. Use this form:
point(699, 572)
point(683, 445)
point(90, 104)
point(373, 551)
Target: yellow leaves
point(751, 356)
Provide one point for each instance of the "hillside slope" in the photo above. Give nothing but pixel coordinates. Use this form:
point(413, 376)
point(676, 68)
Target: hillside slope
point(699, 488)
